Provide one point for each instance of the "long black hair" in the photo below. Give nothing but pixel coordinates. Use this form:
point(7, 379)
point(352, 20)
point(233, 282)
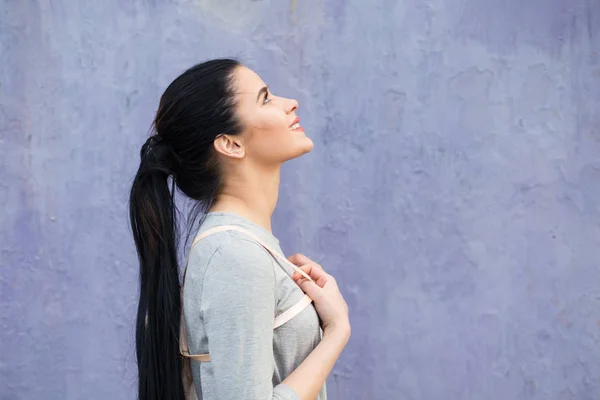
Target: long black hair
point(195, 108)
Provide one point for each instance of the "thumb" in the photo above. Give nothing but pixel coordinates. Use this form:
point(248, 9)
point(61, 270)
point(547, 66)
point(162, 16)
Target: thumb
point(310, 288)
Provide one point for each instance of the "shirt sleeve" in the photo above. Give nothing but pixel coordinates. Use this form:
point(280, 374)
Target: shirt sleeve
point(238, 305)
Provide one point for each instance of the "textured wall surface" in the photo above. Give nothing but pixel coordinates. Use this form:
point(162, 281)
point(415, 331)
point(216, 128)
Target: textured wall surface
point(454, 188)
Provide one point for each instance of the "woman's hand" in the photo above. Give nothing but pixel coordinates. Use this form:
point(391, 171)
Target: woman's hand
point(329, 302)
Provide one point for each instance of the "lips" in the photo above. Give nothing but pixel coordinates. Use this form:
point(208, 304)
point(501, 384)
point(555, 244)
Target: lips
point(296, 122)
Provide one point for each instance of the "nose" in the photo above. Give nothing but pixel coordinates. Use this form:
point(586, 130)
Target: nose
point(291, 105)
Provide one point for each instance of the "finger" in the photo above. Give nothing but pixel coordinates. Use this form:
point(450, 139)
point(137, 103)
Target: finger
point(301, 272)
point(312, 270)
point(315, 272)
point(310, 288)
point(300, 259)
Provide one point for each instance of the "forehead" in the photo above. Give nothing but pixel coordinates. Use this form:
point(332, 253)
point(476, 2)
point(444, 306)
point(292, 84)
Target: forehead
point(247, 83)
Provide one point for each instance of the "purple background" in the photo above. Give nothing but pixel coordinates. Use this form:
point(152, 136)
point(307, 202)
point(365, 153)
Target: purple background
point(454, 188)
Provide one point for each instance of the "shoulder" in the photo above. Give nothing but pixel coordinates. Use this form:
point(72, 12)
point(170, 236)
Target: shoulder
point(230, 252)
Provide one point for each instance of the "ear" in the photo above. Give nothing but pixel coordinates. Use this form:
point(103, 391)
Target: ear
point(230, 146)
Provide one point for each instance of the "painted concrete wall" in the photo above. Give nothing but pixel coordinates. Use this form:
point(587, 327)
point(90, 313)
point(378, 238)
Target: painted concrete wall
point(454, 189)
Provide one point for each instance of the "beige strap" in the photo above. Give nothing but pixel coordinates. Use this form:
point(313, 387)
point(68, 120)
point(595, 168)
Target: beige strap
point(224, 228)
point(292, 311)
point(183, 345)
point(279, 320)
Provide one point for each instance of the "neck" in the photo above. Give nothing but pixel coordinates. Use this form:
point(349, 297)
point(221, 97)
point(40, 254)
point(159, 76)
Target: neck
point(252, 195)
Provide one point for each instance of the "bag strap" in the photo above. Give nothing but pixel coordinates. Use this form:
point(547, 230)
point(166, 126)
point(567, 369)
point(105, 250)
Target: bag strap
point(225, 228)
point(279, 320)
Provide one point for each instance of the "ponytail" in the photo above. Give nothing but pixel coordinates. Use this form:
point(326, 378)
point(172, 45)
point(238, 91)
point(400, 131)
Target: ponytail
point(154, 225)
point(197, 107)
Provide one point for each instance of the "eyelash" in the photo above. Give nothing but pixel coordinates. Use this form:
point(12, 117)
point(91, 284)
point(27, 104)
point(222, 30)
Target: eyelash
point(267, 99)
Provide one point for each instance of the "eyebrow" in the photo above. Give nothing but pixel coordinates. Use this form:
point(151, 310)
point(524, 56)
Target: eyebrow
point(263, 90)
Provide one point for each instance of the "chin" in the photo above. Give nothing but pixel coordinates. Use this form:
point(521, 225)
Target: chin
point(309, 145)
point(302, 148)
point(306, 146)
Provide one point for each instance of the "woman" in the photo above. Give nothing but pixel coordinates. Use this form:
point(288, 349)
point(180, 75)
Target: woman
point(222, 136)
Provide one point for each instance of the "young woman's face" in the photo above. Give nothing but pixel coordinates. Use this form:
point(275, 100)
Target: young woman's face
point(272, 133)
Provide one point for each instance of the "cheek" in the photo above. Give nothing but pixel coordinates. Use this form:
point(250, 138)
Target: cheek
point(270, 139)
point(269, 120)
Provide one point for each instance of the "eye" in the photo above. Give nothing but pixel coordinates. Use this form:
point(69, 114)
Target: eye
point(267, 99)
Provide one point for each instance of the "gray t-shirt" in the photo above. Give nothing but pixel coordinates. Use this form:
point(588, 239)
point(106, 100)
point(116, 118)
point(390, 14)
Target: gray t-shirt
point(233, 290)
